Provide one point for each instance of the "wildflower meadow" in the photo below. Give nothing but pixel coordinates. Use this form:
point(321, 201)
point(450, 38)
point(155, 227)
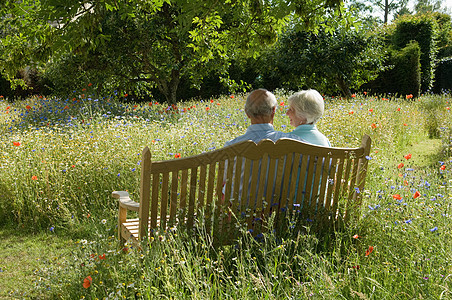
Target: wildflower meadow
point(60, 159)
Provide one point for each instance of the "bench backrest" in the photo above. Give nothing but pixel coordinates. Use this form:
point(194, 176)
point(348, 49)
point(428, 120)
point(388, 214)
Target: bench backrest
point(283, 176)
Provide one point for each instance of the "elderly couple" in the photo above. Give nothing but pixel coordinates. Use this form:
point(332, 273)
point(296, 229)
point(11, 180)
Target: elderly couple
point(305, 108)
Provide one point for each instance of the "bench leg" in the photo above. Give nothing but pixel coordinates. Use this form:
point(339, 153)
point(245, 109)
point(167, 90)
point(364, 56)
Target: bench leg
point(121, 219)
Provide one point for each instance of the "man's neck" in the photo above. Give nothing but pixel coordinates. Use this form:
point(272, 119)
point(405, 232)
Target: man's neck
point(261, 120)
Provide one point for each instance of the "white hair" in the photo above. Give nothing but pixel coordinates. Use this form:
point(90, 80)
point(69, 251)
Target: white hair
point(307, 104)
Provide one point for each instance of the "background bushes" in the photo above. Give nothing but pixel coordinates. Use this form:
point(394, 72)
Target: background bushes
point(443, 76)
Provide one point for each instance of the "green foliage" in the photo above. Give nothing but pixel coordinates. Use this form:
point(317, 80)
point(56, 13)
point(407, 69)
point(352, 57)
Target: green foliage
point(443, 74)
point(423, 29)
point(140, 45)
point(444, 37)
point(329, 61)
point(404, 75)
point(434, 114)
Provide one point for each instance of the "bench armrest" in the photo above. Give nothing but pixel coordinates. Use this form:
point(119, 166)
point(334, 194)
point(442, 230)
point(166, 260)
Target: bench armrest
point(125, 201)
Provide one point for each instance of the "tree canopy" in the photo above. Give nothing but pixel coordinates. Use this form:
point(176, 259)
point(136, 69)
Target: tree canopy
point(151, 42)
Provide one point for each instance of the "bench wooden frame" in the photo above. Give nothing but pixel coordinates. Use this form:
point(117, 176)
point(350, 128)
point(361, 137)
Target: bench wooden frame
point(175, 191)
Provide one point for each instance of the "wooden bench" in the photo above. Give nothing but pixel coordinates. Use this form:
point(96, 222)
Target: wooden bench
point(177, 192)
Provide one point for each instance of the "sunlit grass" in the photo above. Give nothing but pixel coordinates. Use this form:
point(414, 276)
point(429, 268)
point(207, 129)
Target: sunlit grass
point(61, 158)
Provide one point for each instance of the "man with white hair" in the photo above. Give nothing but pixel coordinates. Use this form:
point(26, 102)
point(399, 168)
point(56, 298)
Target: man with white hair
point(260, 107)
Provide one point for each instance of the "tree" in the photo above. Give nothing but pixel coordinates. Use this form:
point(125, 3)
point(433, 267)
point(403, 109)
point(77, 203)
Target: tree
point(425, 6)
point(387, 7)
point(330, 61)
point(153, 41)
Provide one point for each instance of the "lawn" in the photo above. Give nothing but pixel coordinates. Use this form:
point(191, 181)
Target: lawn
point(61, 158)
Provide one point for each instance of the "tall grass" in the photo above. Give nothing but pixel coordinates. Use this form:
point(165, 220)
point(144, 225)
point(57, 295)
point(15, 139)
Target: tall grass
point(60, 160)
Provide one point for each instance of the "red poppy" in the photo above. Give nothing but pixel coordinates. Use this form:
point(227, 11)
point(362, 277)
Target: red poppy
point(356, 267)
point(16, 144)
point(409, 96)
point(442, 168)
point(8, 107)
point(207, 108)
point(90, 84)
point(232, 96)
point(102, 256)
point(353, 95)
point(400, 165)
point(369, 251)
point(66, 107)
point(211, 100)
point(34, 177)
point(448, 108)
point(365, 93)
point(281, 103)
point(408, 156)
point(87, 282)
point(351, 112)
point(397, 196)
point(125, 95)
point(373, 125)
point(417, 194)
point(28, 107)
point(405, 124)
point(356, 236)
point(405, 182)
point(371, 110)
point(398, 109)
point(177, 155)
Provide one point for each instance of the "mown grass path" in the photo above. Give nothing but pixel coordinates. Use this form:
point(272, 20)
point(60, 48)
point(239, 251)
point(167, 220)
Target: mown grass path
point(23, 253)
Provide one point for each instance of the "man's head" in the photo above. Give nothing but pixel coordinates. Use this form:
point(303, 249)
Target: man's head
point(260, 106)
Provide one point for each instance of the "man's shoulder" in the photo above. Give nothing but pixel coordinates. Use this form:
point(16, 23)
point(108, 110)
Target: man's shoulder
point(236, 140)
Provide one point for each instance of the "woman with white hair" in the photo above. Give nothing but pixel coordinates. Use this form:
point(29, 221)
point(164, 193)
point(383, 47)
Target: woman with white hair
point(305, 109)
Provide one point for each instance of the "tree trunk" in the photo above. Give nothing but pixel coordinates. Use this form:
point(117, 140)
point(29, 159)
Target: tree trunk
point(169, 89)
point(343, 86)
point(386, 11)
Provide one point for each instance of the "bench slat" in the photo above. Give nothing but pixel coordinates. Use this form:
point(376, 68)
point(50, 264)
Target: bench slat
point(183, 194)
point(164, 203)
point(173, 197)
point(202, 186)
point(192, 200)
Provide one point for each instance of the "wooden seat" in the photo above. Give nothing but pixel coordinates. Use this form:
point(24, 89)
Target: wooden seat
point(246, 183)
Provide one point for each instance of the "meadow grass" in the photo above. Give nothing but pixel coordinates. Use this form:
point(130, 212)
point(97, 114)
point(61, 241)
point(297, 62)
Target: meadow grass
point(61, 158)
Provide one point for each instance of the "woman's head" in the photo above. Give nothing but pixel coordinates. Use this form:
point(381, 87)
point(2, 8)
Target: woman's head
point(305, 107)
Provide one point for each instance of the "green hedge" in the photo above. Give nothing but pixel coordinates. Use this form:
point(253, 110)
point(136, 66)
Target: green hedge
point(443, 75)
point(403, 77)
point(422, 29)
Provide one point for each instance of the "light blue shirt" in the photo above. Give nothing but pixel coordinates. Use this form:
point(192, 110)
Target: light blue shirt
point(258, 132)
point(310, 134)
